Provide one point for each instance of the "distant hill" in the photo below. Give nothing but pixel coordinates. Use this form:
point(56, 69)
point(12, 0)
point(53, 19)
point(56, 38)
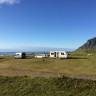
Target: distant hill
point(89, 45)
point(88, 48)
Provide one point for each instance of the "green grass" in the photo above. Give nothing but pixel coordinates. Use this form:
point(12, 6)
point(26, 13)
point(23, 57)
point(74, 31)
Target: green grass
point(77, 65)
point(41, 86)
point(82, 52)
point(13, 81)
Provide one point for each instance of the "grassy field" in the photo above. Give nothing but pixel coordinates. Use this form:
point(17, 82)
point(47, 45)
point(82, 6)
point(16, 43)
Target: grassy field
point(74, 65)
point(41, 86)
point(83, 52)
point(46, 77)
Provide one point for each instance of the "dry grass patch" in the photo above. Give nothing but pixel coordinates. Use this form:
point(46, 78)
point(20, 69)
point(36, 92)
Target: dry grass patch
point(77, 66)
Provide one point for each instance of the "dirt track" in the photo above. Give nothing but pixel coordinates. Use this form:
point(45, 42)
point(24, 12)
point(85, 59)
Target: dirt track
point(44, 74)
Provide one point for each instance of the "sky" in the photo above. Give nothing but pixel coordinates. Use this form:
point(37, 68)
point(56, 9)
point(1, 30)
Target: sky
point(46, 23)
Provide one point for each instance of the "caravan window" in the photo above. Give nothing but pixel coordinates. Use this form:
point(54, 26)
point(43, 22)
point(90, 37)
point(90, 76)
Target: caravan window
point(62, 53)
point(52, 53)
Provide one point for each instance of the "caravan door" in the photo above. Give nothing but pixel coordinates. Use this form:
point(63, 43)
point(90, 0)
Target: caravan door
point(55, 55)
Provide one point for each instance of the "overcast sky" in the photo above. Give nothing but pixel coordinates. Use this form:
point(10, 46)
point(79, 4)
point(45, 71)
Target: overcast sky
point(46, 23)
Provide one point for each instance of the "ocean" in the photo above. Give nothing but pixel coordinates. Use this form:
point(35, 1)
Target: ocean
point(34, 52)
point(13, 53)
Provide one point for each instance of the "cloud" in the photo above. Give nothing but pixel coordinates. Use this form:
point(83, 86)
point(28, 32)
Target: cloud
point(9, 2)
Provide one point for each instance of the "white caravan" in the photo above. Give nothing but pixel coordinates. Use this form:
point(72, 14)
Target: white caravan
point(40, 56)
point(58, 54)
point(21, 55)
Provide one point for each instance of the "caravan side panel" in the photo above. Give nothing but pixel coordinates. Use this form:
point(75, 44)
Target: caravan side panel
point(58, 54)
point(52, 54)
point(62, 54)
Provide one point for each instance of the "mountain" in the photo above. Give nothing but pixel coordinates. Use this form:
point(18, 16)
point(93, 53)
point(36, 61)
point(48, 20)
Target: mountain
point(89, 45)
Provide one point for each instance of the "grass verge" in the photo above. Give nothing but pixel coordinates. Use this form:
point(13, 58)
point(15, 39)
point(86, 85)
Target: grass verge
point(41, 86)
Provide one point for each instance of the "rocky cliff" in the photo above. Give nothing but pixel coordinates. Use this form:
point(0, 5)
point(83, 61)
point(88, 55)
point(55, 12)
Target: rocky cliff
point(89, 45)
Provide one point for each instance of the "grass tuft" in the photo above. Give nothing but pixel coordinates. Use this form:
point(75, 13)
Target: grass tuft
point(41, 86)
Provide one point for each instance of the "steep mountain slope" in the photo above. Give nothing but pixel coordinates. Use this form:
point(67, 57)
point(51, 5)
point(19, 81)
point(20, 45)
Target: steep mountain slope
point(89, 45)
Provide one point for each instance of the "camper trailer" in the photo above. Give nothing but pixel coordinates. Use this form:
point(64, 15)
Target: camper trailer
point(40, 56)
point(21, 55)
point(58, 54)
